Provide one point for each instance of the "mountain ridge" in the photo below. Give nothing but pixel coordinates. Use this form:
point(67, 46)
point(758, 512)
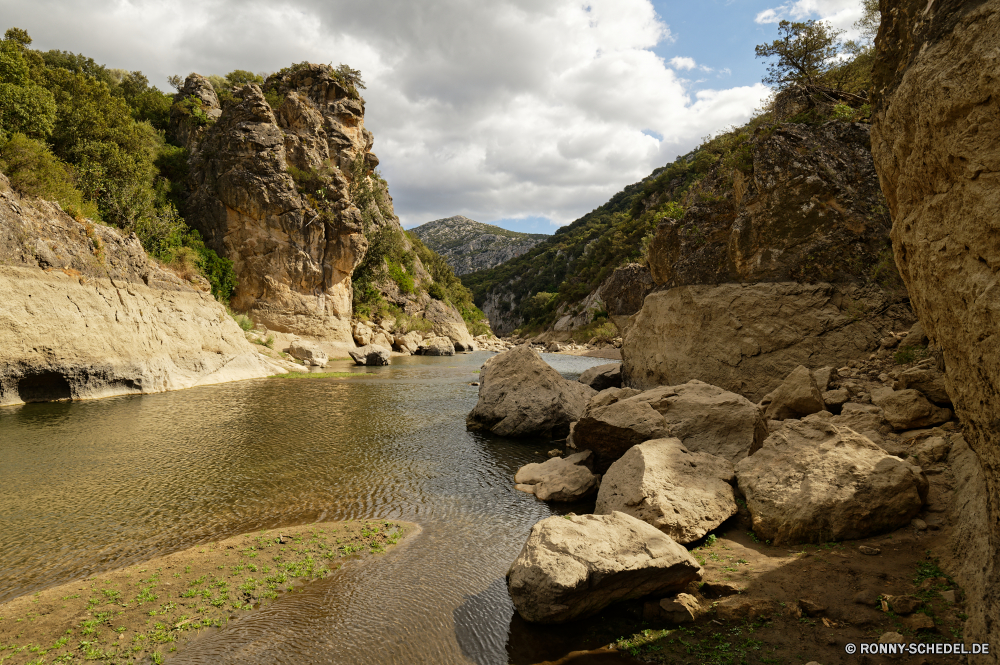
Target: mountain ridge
point(469, 246)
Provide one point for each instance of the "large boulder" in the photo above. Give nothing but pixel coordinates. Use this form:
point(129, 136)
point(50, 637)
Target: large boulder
point(559, 478)
point(407, 342)
point(813, 481)
point(436, 346)
point(602, 376)
point(797, 396)
point(575, 566)
point(521, 395)
point(370, 355)
point(308, 352)
point(705, 418)
point(908, 409)
point(936, 143)
point(361, 332)
point(746, 338)
point(683, 494)
point(929, 380)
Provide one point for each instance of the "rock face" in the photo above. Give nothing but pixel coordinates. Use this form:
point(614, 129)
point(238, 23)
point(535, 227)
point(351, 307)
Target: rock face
point(683, 494)
point(747, 338)
point(815, 482)
point(624, 292)
point(574, 567)
point(934, 138)
point(86, 314)
point(603, 376)
point(468, 245)
point(559, 479)
point(521, 395)
point(704, 417)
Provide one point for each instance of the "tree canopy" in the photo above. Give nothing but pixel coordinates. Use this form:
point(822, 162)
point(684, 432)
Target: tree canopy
point(805, 51)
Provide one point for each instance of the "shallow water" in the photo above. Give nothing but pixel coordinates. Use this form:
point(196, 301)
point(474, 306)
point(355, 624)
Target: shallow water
point(88, 486)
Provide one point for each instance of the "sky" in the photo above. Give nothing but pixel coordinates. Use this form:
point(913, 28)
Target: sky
point(522, 113)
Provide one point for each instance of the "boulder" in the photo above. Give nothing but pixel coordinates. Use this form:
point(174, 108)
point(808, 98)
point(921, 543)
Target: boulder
point(436, 346)
point(908, 409)
point(362, 333)
point(928, 380)
point(370, 355)
point(835, 399)
point(466, 346)
point(916, 336)
point(309, 352)
point(603, 376)
point(704, 417)
point(823, 377)
point(865, 419)
point(683, 494)
point(813, 481)
point(382, 339)
point(560, 479)
point(684, 608)
point(797, 396)
point(575, 566)
point(521, 395)
point(407, 343)
point(931, 450)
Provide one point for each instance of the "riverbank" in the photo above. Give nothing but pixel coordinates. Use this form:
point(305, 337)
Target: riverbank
point(144, 612)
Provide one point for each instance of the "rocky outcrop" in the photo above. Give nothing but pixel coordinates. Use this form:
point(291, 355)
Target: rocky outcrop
point(87, 314)
point(747, 338)
point(683, 494)
point(575, 566)
point(559, 479)
point(935, 142)
point(624, 292)
point(816, 482)
point(704, 417)
point(602, 376)
point(468, 245)
point(521, 395)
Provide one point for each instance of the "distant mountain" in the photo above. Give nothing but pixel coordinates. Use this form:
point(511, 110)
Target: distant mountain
point(468, 245)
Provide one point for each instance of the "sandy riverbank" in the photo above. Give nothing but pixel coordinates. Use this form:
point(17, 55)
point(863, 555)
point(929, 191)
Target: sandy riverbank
point(144, 612)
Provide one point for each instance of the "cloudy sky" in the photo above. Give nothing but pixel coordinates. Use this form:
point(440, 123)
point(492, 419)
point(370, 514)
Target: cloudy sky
point(526, 113)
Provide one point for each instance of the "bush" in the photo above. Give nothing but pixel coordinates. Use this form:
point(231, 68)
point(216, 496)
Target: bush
point(436, 291)
point(34, 171)
point(403, 279)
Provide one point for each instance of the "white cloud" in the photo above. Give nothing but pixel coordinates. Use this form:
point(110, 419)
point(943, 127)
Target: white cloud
point(841, 14)
point(505, 109)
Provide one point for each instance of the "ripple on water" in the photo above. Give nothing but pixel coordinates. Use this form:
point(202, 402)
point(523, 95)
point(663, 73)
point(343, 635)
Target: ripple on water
point(95, 485)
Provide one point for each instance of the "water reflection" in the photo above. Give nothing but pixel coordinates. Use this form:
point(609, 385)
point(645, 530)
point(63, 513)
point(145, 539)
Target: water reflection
point(88, 486)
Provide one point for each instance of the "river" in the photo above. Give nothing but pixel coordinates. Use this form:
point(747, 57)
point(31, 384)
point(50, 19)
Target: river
point(90, 486)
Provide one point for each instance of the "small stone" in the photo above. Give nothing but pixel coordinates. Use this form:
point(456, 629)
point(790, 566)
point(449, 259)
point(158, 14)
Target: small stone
point(919, 622)
point(949, 596)
point(474, 383)
point(891, 637)
point(919, 524)
point(870, 551)
point(684, 608)
point(555, 452)
point(719, 589)
point(904, 604)
point(810, 609)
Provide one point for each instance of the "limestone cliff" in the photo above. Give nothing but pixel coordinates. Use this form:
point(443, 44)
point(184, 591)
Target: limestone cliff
point(935, 140)
point(282, 182)
point(86, 314)
point(781, 260)
point(469, 245)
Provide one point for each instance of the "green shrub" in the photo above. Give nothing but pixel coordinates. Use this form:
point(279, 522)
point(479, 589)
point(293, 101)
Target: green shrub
point(34, 171)
point(436, 291)
point(242, 320)
point(403, 279)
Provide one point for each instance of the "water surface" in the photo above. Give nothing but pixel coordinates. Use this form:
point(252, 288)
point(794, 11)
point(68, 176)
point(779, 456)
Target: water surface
point(88, 486)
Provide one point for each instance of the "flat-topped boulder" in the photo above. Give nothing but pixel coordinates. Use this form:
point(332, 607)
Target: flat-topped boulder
point(522, 395)
point(370, 355)
point(559, 478)
point(813, 481)
point(704, 417)
point(682, 493)
point(573, 567)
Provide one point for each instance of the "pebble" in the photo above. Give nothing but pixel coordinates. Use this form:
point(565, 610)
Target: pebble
point(919, 524)
point(870, 551)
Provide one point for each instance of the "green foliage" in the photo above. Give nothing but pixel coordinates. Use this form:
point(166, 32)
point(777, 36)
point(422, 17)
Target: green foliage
point(403, 279)
point(600, 329)
point(25, 107)
point(239, 77)
point(33, 170)
point(805, 51)
point(437, 291)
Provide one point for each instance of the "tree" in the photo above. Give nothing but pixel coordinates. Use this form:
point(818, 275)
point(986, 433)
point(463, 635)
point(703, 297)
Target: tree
point(870, 19)
point(25, 107)
point(351, 76)
point(805, 51)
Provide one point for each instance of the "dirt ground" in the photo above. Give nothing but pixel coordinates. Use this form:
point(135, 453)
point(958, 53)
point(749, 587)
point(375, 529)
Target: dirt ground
point(142, 613)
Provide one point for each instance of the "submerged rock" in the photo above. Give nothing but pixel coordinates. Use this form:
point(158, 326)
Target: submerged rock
point(521, 395)
point(683, 494)
point(575, 566)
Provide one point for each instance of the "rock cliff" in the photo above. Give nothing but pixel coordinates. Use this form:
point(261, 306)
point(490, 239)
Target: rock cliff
point(282, 182)
point(935, 138)
point(469, 245)
point(780, 261)
point(86, 314)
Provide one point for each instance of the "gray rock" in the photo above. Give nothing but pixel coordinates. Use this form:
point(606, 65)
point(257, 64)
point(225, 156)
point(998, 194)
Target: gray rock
point(683, 494)
point(603, 376)
point(560, 479)
point(833, 399)
point(816, 482)
point(797, 396)
point(370, 355)
point(573, 567)
point(521, 395)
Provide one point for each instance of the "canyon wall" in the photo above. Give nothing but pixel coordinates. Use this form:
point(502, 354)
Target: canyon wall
point(936, 142)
